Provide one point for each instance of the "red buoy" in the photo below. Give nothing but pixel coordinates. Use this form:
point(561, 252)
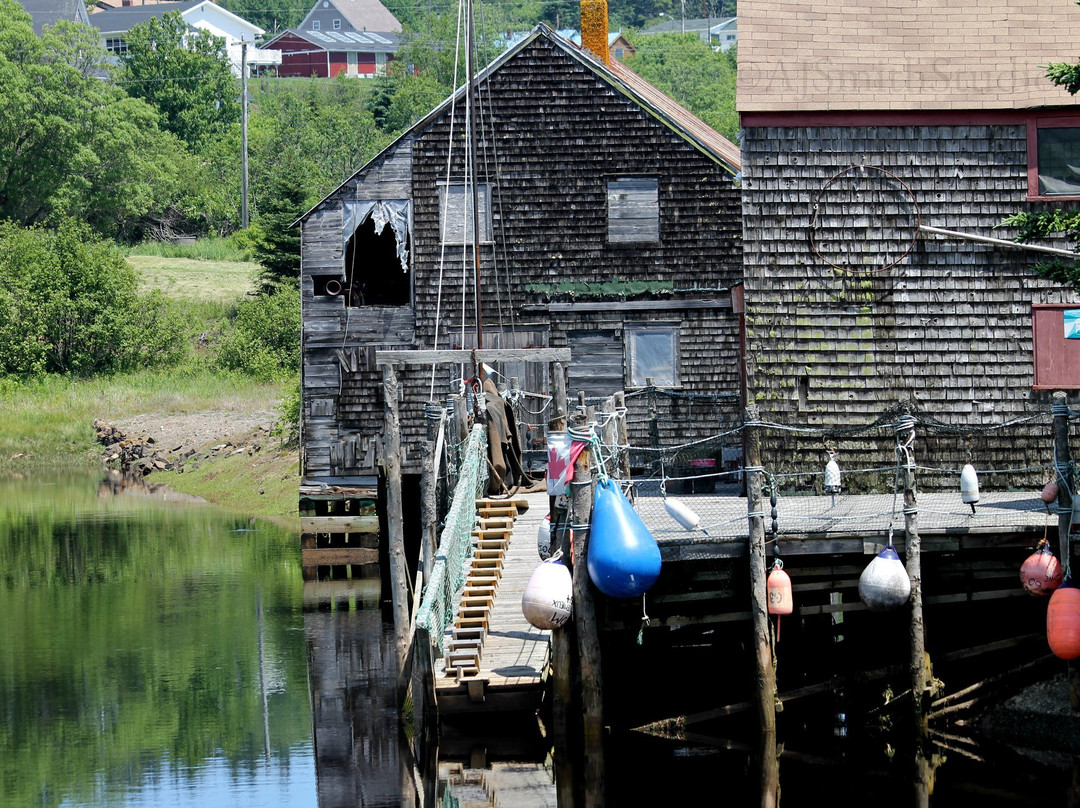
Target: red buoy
point(1041, 572)
point(1063, 621)
point(778, 589)
point(1049, 492)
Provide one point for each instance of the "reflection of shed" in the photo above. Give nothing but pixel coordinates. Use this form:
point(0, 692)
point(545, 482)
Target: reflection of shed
point(609, 223)
point(863, 126)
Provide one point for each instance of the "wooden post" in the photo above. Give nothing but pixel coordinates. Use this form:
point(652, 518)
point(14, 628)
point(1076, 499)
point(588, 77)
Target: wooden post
point(588, 635)
point(428, 509)
point(654, 423)
point(394, 520)
point(920, 675)
point(623, 436)
point(562, 639)
point(1064, 469)
point(759, 606)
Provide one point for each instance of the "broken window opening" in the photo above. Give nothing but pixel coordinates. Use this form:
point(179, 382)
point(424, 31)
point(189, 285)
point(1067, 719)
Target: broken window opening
point(373, 269)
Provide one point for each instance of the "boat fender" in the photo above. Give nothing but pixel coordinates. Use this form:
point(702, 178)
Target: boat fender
point(543, 538)
point(1063, 621)
point(884, 584)
point(682, 514)
point(549, 595)
point(1049, 492)
point(1041, 572)
point(969, 486)
point(832, 475)
point(622, 557)
point(778, 589)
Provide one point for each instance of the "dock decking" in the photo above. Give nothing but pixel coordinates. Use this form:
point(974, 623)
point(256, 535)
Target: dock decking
point(511, 664)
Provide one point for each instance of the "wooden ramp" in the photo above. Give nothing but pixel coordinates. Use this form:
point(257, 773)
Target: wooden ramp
point(495, 660)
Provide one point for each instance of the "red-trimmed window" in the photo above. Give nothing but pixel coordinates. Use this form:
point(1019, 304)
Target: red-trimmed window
point(1053, 144)
point(1056, 343)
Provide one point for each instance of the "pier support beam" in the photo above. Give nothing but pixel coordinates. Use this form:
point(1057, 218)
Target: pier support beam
point(399, 585)
point(1064, 469)
point(919, 667)
point(759, 604)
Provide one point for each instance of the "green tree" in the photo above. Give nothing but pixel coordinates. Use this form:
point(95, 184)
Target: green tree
point(75, 145)
point(183, 73)
point(69, 304)
point(688, 70)
point(276, 245)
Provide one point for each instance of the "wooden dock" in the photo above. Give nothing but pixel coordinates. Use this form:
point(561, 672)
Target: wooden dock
point(495, 660)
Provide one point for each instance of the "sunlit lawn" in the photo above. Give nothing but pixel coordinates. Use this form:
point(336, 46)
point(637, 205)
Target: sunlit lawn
point(188, 279)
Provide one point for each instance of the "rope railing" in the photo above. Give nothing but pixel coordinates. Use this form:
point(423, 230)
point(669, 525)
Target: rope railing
point(455, 542)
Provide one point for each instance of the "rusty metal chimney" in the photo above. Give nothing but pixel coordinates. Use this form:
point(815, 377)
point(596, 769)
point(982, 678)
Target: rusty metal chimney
point(594, 28)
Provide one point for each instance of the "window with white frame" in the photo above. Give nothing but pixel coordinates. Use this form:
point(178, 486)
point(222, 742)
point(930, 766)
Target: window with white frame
point(633, 210)
point(456, 213)
point(316, 25)
point(652, 352)
point(117, 45)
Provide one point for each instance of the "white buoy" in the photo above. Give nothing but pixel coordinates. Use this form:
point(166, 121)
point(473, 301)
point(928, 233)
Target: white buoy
point(884, 584)
point(969, 486)
point(832, 475)
point(681, 514)
point(549, 596)
point(543, 538)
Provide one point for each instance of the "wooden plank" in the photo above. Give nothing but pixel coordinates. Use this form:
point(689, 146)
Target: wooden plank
point(466, 357)
point(330, 556)
point(339, 524)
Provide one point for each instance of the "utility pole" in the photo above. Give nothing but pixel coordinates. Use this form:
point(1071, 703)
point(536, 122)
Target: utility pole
point(244, 220)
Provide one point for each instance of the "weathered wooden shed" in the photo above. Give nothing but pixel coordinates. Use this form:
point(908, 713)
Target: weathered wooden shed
point(883, 145)
point(609, 223)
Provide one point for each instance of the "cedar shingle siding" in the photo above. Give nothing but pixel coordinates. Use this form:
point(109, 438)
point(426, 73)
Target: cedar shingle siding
point(554, 135)
point(947, 329)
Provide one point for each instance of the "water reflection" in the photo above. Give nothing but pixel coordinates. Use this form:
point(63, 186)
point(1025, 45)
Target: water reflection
point(153, 654)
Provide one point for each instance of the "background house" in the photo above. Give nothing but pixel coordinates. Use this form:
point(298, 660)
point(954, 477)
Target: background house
point(720, 32)
point(50, 12)
point(350, 37)
point(114, 23)
point(862, 124)
point(610, 224)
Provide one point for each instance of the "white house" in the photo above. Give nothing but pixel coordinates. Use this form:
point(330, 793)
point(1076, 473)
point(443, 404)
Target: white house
point(114, 23)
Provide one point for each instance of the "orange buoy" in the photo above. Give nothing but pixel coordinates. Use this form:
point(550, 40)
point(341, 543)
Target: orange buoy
point(1049, 492)
point(1041, 572)
point(1063, 621)
point(778, 590)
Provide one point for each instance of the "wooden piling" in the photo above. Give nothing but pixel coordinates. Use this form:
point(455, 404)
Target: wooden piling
point(399, 585)
point(623, 463)
point(562, 639)
point(588, 635)
point(1065, 480)
point(759, 606)
point(920, 674)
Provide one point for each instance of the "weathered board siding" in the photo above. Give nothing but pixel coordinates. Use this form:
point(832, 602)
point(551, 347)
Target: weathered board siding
point(948, 329)
point(554, 135)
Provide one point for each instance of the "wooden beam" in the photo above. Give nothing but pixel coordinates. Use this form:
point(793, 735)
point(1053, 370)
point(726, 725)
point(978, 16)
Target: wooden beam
point(339, 524)
point(629, 305)
point(456, 357)
point(332, 556)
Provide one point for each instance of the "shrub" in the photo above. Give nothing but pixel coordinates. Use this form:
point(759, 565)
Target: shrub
point(287, 425)
point(264, 338)
point(69, 304)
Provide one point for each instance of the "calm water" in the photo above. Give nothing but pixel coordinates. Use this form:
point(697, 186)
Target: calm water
point(157, 654)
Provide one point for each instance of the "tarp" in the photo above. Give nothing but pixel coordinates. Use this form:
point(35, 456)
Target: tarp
point(394, 212)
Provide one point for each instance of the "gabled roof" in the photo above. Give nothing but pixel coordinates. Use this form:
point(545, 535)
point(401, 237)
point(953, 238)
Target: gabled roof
point(698, 25)
point(873, 55)
point(362, 42)
point(362, 15)
point(50, 12)
point(127, 17)
point(680, 120)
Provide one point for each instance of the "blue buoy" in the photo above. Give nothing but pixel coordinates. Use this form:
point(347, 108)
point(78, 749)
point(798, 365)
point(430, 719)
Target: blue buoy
point(623, 556)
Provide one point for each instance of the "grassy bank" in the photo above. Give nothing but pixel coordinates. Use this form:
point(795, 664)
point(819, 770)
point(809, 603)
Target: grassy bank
point(47, 424)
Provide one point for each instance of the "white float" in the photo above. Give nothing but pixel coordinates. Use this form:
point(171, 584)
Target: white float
point(549, 595)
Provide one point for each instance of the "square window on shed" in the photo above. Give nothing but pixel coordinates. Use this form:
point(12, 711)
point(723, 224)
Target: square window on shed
point(633, 211)
point(1056, 343)
point(1054, 156)
point(652, 352)
point(456, 213)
